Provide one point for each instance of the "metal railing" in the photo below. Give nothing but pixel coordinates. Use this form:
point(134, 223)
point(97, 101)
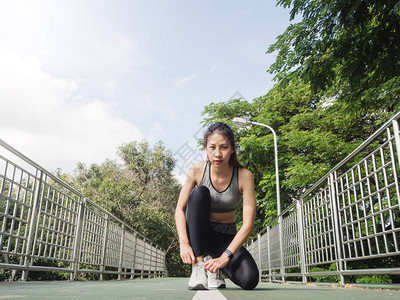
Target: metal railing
point(46, 225)
point(348, 219)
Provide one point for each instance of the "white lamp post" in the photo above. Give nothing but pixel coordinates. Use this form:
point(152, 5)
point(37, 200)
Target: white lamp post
point(241, 122)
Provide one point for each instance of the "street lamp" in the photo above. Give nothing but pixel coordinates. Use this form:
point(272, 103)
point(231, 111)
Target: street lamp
point(242, 122)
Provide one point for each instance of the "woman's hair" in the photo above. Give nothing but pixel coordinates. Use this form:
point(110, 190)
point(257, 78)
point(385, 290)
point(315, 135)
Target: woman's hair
point(228, 133)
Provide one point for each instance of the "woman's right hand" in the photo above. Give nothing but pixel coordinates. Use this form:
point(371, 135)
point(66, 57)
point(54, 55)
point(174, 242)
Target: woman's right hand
point(187, 254)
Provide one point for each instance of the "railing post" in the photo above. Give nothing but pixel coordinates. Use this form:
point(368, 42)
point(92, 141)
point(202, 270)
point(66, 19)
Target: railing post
point(104, 250)
point(78, 239)
point(269, 254)
point(156, 263)
point(143, 258)
point(151, 259)
point(133, 270)
point(300, 225)
point(336, 226)
point(281, 248)
point(396, 132)
point(32, 225)
point(121, 253)
point(259, 254)
point(163, 264)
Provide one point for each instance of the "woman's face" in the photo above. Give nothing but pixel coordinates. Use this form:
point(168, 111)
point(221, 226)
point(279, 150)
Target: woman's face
point(218, 149)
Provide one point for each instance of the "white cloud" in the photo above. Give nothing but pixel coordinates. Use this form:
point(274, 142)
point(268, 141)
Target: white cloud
point(184, 80)
point(45, 119)
point(65, 35)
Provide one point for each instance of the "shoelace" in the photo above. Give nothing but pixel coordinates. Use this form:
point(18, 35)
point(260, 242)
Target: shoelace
point(197, 269)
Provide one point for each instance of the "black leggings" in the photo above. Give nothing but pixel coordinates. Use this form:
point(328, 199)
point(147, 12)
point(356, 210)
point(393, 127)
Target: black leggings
point(242, 268)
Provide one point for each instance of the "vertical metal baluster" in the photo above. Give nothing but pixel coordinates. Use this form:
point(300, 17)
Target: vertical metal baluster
point(104, 248)
point(359, 183)
point(165, 271)
point(156, 270)
point(283, 270)
point(143, 256)
point(32, 225)
point(133, 270)
point(4, 225)
point(396, 182)
point(396, 133)
point(356, 200)
point(78, 238)
point(372, 203)
point(121, 254)
point(306, 237)
point(269, 253)
point(380, 202)
point(8, 213)
point(15, 210)
point(150, 258)
point(336, 226)
point(21, 216)
point(301, 240)
point(325, 232)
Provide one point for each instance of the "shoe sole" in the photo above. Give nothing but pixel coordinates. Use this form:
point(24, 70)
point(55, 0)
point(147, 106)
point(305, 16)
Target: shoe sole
point(222, 286)
point(198, 287)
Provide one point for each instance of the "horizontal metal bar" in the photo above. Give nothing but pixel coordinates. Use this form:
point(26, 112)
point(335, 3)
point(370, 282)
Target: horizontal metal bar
point(368, 141)
point(12, 266)
point(390, 254)
point(322, 273)
point(32, 163)
point(367, 237)
point(394, 271)
point(389, 271)
point(89, 271)
point(286, 275)
point(53, 269)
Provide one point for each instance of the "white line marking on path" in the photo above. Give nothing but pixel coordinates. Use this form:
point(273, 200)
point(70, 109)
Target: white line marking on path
point(209, 295)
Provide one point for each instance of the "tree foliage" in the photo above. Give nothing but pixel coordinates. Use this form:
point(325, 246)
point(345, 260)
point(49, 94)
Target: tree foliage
point(345, 49)
point(313, 136)
point(141, 191)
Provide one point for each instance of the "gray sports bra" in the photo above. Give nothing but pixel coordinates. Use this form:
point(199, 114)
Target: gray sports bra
point(227, 200)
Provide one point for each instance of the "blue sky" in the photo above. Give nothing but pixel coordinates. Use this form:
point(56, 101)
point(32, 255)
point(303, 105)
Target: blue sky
point(79, 78)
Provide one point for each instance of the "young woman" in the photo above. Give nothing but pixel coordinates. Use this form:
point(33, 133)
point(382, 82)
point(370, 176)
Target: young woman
point(206, 213)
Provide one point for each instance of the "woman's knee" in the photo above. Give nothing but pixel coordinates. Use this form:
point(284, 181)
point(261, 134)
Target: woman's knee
point(200, 195)
point(248, 272)
point(251, 281)
point(201, 191)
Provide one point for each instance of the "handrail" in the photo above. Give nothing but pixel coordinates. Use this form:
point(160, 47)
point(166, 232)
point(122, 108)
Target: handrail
point(364, 144)
point(37, 166)
point(350, 215)
point(43, 217)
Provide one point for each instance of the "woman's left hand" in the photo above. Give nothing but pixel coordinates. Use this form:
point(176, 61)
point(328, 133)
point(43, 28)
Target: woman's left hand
point(213, 265)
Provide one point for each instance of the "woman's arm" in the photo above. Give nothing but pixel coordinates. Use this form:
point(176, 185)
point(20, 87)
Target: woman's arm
point(186, 250)
point(249, 213)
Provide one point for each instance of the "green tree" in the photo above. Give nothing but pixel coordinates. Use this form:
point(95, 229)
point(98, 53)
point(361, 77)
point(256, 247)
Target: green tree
point(141, 191)
point(313, 136)
point(346, 49)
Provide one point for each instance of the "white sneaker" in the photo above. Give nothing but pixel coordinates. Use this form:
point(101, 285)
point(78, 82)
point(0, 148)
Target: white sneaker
point(216, 280)
point(198, 279)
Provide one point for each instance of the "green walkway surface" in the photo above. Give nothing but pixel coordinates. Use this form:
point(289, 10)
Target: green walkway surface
point(176, 288)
